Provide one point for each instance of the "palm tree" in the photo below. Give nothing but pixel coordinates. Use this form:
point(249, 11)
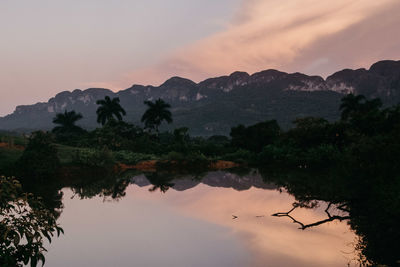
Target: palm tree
point(66, 122)
point(156, 113)
point(108, 109)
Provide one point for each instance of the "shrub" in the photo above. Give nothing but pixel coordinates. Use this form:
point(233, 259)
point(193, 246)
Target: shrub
point(287, 154)
point(40, 156)
point(173, 155)
point(322, 155)
point(241, 155)
point(94, 157)
point(128, 157)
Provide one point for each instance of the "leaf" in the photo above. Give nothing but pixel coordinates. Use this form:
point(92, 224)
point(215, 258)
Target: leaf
point(46, 235)
point(33, 261)
point(42, 259)
point(59, 229)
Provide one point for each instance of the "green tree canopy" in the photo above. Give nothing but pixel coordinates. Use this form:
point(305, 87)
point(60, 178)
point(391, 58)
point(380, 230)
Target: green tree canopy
point(363, 115)
point(40, 159)
point(256, 136)
point(108, 109)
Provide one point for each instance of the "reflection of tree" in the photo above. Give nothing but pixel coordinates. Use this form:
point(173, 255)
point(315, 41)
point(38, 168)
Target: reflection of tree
point(303, 226)
point(88, 183)
point(160, 181)
point(50, 193)
point(367, 196)
point(25, 222)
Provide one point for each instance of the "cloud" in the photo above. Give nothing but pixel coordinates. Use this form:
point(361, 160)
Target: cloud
point(291, 35)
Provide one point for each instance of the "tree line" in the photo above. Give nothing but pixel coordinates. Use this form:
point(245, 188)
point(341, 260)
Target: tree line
point(311, 142)
point(110, 111)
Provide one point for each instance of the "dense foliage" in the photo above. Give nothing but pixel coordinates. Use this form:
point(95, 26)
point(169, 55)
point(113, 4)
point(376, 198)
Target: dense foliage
point(25, 222)
point(39, 159)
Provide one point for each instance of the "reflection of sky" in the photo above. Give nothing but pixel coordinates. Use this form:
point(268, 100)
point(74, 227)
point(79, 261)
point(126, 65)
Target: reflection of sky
point(194, 228)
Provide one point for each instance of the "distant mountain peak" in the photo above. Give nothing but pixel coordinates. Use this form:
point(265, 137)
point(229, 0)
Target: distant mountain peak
point(239, 75)
point(178, 82)
point(216, 104)
point(388, 68)
point(266, 76)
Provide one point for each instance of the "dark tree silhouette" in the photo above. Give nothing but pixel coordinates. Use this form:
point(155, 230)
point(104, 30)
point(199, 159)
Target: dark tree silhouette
point(350, 104)
point(156, 113)
point(109, 108)
point(39, 159)
point(66, 122)
point(256, 136)
point(364, 116)
point(25, 223)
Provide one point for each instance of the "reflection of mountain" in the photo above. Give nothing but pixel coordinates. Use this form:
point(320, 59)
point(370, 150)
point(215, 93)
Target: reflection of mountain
point(213, 179)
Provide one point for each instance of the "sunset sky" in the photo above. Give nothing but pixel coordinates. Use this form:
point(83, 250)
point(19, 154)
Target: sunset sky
point(48, 46)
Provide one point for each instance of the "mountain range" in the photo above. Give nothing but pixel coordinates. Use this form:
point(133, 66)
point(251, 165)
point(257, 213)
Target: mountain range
point(215, 105)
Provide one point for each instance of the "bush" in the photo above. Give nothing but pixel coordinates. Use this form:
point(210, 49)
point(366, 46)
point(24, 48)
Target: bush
point(132, 158)
point(197, 157)
point(94, 157)
point(173, 155)
point(190, 161)
point(8, 157)
point(240, 155)
point(279, 154)
point(40, 158)
point(256, 136)
point(322, 155)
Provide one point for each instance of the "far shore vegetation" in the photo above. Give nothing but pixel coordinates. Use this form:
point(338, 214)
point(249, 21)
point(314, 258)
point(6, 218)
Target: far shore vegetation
point(312, 143)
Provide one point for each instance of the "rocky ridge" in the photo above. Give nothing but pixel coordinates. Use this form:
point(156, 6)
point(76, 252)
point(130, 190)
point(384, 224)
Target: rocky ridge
point(260, 96)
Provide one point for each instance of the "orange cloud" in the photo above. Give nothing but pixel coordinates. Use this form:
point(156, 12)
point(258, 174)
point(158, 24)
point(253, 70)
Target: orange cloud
point(273, 34)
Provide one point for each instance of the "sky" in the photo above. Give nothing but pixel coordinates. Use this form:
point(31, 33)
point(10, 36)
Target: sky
point(49, 46)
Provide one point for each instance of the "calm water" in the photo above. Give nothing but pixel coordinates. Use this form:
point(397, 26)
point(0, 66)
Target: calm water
point(187, 222)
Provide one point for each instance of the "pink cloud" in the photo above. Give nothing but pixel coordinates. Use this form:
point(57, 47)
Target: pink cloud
point(283, 35)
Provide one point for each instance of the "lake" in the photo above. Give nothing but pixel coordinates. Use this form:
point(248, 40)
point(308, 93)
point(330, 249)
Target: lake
point(213, 219)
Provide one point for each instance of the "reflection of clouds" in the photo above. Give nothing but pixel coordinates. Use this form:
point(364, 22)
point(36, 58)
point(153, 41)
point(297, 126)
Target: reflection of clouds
point(275, 34)
point(271, 240)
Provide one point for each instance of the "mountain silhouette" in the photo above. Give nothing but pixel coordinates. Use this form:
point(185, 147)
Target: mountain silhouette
point(214, 105)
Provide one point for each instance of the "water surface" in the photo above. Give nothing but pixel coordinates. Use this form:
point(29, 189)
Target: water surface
point(223, 220)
